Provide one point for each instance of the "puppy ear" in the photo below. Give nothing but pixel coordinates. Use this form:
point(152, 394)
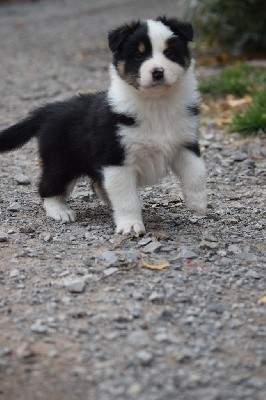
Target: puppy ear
point(178, 27)
point(120, 34)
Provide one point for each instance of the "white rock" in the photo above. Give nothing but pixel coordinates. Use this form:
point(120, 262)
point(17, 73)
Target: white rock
point(22, 179)
point(110, 271)
point(152, 247)
point(76, 286)
point(110, 257)
point(39, 327)
point(14, 273)
point(3, 237)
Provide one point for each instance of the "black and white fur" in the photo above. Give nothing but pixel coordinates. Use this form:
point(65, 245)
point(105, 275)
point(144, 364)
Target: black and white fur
point(129, 136)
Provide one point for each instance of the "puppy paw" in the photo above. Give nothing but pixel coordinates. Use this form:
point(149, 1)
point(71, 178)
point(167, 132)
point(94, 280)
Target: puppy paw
point(63, 215)
point(128, 227)
point(198, 211)
point(197, 204)
point(59, 211)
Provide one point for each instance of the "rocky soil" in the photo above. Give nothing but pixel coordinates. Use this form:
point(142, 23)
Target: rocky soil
point(81, 317)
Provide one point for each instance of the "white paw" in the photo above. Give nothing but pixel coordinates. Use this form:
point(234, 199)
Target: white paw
point(127, 227)
point(197, 204)
point(63, 215)
point(199, 211)
point(58, 211)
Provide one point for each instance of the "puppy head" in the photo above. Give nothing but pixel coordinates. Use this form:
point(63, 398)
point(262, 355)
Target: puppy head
point(151, 56)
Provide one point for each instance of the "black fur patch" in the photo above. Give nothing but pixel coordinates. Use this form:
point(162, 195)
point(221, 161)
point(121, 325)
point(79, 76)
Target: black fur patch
point(117, 36)
point(76, 137)
point(128, 58)
point(193, 110)
point(125, 120)
point(182, 28)
point(178, 51)
point(194, 148)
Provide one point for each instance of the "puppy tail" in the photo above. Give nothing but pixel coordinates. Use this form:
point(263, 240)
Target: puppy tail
point(17, 135)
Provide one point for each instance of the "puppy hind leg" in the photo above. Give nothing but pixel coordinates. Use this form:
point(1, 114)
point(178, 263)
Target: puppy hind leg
point(54, 191)
point(100, 192)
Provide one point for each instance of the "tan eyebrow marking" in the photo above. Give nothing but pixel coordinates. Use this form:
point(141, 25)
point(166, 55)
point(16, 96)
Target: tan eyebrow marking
point(141, 47)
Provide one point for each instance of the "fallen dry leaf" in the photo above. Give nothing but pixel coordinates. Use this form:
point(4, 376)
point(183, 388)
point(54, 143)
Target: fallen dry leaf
point(232, 102)
point(204, 107)
point(223, 121)
point(158, 267)
point(262, 300)
point(223, 58)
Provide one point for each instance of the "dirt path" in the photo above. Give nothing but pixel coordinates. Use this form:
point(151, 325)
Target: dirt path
point(80, 318)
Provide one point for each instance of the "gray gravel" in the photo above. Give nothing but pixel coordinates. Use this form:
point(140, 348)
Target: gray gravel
point(80, 316)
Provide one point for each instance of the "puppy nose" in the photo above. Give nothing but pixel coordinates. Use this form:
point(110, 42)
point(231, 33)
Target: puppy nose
point(158, 74)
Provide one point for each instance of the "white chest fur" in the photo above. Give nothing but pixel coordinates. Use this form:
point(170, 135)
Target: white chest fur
point(162, 126)
point(152, 144)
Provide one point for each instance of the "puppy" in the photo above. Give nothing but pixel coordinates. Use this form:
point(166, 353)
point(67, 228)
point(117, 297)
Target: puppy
point(128, 136)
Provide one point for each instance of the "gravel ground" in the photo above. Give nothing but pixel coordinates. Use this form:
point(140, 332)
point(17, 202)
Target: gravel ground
point(80, 316)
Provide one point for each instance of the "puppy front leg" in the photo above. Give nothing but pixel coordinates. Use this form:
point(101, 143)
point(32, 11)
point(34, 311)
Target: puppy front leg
point(121, 187)
point(190, 169)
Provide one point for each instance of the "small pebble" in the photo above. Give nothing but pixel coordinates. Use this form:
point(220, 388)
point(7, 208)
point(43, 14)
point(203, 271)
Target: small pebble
point(110, 271)
point(39, 327)
point(134, 389)
point(27, 229)
point(157, 297)
point(76, 286)
point(15, 206)
point(3, 237)
point(53, 353)
point(186, 253)
point(14, 273)
point(204, 244)
point(217, 308)
point(5, 351)
point(138, 338)
point(47, 237)
point(145, 357)
point(152, 247)
point(252, 274)
point(110, 257)
point(144, 241)
point(239, 156)
point(22, 179)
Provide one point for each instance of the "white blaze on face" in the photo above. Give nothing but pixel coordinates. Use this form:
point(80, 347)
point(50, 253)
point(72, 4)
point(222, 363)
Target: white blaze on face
point(159, 34)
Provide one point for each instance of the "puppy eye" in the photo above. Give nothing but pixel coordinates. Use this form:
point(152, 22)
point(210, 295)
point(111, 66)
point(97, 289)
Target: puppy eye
point(138, 56)
point(169, 53)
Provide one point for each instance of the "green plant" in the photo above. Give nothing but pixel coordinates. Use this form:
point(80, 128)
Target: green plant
point(238, 80)
point(235, 26)
point(253, 120)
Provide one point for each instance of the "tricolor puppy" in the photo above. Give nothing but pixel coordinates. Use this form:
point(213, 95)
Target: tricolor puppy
point(129, 136)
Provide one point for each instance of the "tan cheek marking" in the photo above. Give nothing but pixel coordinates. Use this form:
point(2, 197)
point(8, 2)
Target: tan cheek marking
point(130, 79)
point(121, 68)
point(40, 163)
point(141, 47)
